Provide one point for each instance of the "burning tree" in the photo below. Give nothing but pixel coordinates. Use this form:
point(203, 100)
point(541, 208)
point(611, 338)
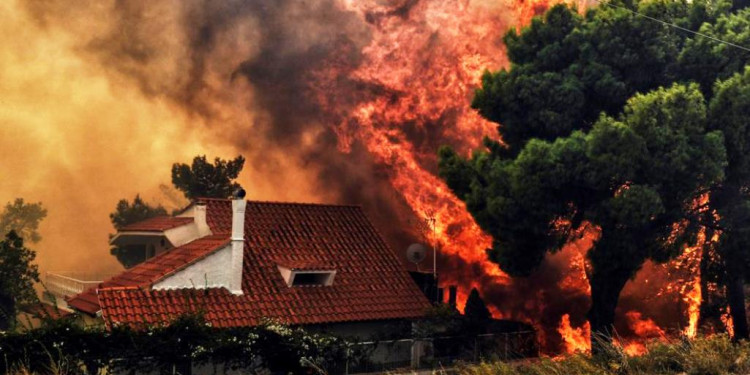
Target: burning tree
point(568, 160)
point(730, 113)
point(704, 61)
point(635, 177)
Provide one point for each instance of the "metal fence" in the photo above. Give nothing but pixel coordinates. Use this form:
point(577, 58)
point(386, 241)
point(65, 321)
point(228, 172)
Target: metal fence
point(408, 354)
point(437, 352)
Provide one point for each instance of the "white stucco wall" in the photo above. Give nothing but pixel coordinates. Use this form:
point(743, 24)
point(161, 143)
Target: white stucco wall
point(183, 234)
point(210, 272)
point(198, 228)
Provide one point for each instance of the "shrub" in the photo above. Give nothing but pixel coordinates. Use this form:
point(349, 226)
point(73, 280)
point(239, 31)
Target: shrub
point(62, 346)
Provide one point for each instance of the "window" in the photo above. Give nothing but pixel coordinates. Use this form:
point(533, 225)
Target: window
point(310, 278)
point(130, 255)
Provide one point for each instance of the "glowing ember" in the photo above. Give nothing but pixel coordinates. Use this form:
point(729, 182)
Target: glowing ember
point(634, 349)
point(691, 289)
point(643, 328)
point(686, 274)
point(576, 277)
point(726, 319)
point(693, 300)
point(575, 339)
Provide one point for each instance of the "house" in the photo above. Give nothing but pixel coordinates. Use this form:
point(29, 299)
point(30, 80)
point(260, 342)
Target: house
point(239, 262)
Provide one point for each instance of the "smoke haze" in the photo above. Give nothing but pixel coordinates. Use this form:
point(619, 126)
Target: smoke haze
point(100, 98)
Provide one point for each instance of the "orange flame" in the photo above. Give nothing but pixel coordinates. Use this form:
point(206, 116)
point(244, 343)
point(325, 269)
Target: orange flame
point(634, 348)
point(693, 299)
point(687, 272)
point(575, 340)
point(691, 290)
point(644, 328)
point(726, 319)
point(459, 31)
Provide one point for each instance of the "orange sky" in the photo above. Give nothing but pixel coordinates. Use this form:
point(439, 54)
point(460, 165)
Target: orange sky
point(78, 139)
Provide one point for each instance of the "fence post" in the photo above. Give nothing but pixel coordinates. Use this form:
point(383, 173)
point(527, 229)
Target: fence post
point(415, 353)
point(348, 355)
point(476, 348)
point(506, 346)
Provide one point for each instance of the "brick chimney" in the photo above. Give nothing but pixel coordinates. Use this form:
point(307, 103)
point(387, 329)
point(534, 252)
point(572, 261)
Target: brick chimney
point(452, 291)
point(199, 217)
point(238, 241)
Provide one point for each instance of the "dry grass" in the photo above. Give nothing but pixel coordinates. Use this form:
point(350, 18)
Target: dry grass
point(716, 355)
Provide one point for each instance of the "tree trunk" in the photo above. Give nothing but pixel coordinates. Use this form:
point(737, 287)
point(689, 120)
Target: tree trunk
point(736, 300)
point(7, 312)
point(605, 292)
point(706, 297)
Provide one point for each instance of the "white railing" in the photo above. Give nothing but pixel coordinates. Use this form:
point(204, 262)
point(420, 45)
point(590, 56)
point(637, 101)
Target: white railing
point(68, 284)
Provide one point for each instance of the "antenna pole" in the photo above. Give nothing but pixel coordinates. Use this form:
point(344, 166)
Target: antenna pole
point(433, 221)
point(434, 256)
point(434, 266)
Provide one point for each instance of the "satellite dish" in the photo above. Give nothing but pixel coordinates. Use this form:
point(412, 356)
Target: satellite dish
point(416, 253)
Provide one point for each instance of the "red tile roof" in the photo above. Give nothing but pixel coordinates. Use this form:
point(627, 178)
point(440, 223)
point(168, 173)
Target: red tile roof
point(370, 283)
point(152, 270)
point(141, 306)
point(304, 265)
point(157, 224)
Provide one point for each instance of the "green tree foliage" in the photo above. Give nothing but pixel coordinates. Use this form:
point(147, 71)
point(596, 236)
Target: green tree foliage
point(703, 60)
point(23, 218)
point(205, 180)
point(127, 213)
point(17, 278)
point(567, 68)
point(632, 176)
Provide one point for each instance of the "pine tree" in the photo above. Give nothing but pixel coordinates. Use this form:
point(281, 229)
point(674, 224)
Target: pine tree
point(476, 313)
